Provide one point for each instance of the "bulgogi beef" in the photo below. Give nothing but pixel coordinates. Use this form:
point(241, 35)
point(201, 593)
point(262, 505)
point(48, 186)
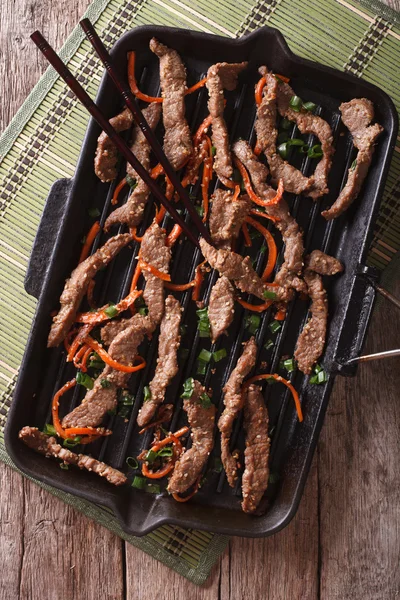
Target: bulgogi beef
point(201, 417)
point(311, 341)
point(106, 158)
point(131, 213)
point(103, 396)
point(155, 252)
point(227, 217)
point(76, 286)
point(240, 271)
point(219, 77)
point(293, 180)
point(256, 455)
point(48, 446)
point(111, 329)
point(233, 402)
point(221, 307)
point(167, 361)
point(357, 116)
point(177, 139)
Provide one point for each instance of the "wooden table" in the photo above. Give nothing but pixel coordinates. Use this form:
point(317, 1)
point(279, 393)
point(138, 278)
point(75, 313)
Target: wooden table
point(344, 542)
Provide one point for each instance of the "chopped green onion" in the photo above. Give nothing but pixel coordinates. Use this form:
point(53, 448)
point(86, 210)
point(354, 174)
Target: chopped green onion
point(165, 452)
point(93, 212)
point(217, 468)
point(274, 326)
point(202, 313)
point(139, 482)
point(188, 388)
point(253, 323)
point(268, 295)
point(127, 399)
point(205, 400)
point(49, 429)
point(263, 249)
point(71, 443)
point(150, 456)
point(64, 466)
point(317, 368)
point(315, 151)
point(273, 478)
point(203, 324)
point(205, 355)
point(201, 367)
point(213, 150)
point(296, 103)
point(353, 165)
point(152, 488)
point(111, 311)
point(296, 142)
point(310, 106)
point(219, 354)
point(132, 462)
point(146, 393)
point(285, 124)
point(85, 380)
point(269, 344)
point(319, 377)
point(95, 361)
point(131, 182)
point(105, 383)
point(143, 310)
point(289, 364)
point(199, 210)
point(282, 137)
point(283, 150)
point(271, 380)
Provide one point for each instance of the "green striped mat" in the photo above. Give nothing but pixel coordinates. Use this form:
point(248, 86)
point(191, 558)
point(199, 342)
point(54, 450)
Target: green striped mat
point(43, 142)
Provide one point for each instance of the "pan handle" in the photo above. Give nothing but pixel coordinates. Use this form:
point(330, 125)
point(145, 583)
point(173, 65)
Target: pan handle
point(46, 235)
point(349, 356)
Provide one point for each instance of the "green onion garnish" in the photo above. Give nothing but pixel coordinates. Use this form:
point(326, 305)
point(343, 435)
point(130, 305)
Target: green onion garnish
point(202, 313)
point(131, 182)
point(296, 103)
point(315, 151)
point(289, 364)
point(274, 326)
point(319, 376)
point(283, 150)
point(111, 311)
point(132, 462)
point(317, 368)
point(85, 380)
point(64, 466)
point(49, 429)
point(199, 210)
point(201, 367)
point(150, 456)
point(205, 355)
point(285, 124)
point(271, 380)
point(127, 399)
point(146, 393)
point(263, 249)
point(105, 383)
point(152, 488)
point(253, 323)
point(269, 344)
point(353, 165)
point(219, 354)
point(96, 362)
point(203, 325)
point(93, 212)
point(143, 310)
point(71, 443)
point(188, 388)
point(268, 295)
point(205, 400)
point(296, 142)
point(168, 451)
point(139, 482)
point(213, 150)
point(310, 106)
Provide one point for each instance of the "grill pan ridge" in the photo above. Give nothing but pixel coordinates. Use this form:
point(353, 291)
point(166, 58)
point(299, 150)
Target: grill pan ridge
point(216, 507)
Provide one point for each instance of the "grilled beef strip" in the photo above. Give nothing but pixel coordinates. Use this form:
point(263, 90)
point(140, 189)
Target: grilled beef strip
point(293, 179)
point(311, 341)
point(256, 455)
point(167, 362)
point(233, 401)
point(287, 225)
point(76, 286)
point(111, 329)
point(357, 116)
point(106, 157)
point(103, 397)
point(309, 123)
point(155, 252)
point(177, 139)
point(240, 271)
point(48, 446)
point(201, 419)
point(227, 217)
point(219, 77)
point(131, 213)
point(221, 307)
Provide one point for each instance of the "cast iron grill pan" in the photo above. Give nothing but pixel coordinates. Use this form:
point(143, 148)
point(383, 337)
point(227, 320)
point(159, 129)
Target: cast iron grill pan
point(216, 507)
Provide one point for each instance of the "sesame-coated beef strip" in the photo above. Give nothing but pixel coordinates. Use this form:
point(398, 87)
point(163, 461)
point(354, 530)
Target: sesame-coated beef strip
point(221, 307)
point(106, 159)
point(227, 217)
point(154, 251)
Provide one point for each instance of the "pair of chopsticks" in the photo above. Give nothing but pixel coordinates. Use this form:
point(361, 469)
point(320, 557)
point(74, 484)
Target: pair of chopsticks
point(139, 119)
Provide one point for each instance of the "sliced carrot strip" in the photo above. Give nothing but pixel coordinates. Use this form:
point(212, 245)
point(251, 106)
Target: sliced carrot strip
point(281, 314)
point(249, 189)
point(196, 86)
point(156, 171)
point(132, 81)
point(202, 130)
point(255, 307)
point(55, 404)
point(100, 316)
point(180, 498)
point(282, 78)
point(281, 380)
point(110, 361)
point(199, 278)
point(258, 213)
point(118, 189)
point(247, 238)
point(93, 231)
point(180, 287)
point(78, 341)
point(257, 148)
point(174, 235)
point(259, 90)
point(272, 249)
point(156, 272)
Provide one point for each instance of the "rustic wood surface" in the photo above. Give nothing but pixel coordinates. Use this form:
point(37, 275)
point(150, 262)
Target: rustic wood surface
point(344, 543)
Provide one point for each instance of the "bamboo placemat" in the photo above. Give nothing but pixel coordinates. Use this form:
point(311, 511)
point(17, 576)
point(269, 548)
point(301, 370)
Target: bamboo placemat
point(43, 141)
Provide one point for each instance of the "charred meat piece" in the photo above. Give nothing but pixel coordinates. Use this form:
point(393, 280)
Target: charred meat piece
point(131, 213)
point(177, 139)
point(167, 362)
point(233, 403)
point(219, 77)
point(227, 216)
point(240, 271)
point(307, 122)
point(221, 307)
point(155, 252)
point(48, 446)
point(106, 153)
point(311, 341)
point(357, 116)
point(103, 397)
point(76, 286)
point(256, 455)
point(201, 417)
point(293, 180)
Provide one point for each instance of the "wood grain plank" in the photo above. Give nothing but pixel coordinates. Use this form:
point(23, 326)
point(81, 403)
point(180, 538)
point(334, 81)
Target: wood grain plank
point(359, 475)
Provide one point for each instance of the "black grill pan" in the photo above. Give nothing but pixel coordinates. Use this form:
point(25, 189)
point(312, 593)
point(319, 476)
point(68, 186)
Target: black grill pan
point(65, 220)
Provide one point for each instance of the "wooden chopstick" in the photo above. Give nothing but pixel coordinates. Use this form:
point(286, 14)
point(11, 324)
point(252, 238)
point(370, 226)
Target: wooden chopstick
point(98, 115)
point(140, 120)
